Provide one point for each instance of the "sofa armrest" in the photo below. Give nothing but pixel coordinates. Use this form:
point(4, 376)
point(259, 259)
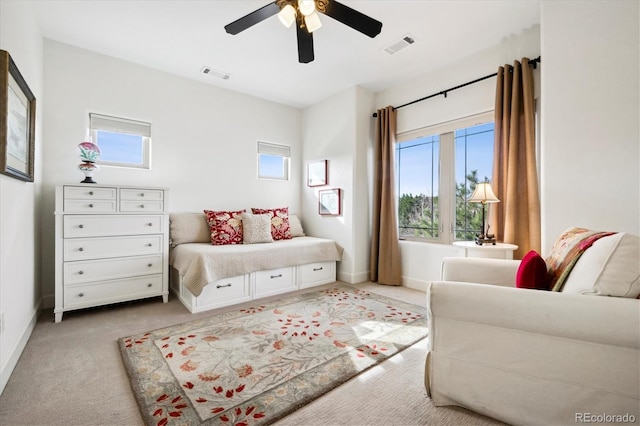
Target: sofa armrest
point(479, 270)
point(598, 319)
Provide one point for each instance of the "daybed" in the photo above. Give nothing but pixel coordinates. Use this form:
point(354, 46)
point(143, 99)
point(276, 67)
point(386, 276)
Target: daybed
point(205, 276)
point(532, 357)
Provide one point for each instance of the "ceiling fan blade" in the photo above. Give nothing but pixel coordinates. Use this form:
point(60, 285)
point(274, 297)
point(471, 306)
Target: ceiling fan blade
point(305, 45)
point(354, 19)
point(253, 18)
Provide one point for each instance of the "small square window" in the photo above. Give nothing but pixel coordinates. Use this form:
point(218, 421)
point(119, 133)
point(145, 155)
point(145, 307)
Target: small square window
point(123, 142)
point(273, 161)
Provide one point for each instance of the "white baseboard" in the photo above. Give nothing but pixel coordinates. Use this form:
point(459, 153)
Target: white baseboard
point(353, 278)
point(15, 353)
point(414, 284)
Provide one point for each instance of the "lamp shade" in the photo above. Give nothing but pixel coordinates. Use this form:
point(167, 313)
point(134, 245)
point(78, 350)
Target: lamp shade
point(287, 15)
point(306, 7)
point(483, 194)
point(312, 22)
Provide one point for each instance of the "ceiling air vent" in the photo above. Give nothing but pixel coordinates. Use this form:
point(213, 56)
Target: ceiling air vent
point(397, 46)
point(215, 73)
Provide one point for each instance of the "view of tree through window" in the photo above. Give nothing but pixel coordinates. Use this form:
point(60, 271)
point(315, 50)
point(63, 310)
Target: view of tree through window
point(421, 162)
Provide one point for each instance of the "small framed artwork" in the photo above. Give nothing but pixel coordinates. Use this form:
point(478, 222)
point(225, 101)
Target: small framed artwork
point(317, 173)
point(17, 122)
point(329, 202)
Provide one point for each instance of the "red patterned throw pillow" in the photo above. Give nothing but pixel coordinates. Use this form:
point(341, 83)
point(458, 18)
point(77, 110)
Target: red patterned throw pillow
point(225, 226)
point(532, 272)
point(280, 229)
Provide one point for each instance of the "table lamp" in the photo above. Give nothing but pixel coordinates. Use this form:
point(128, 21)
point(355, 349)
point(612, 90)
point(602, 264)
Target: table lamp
point(484, 194)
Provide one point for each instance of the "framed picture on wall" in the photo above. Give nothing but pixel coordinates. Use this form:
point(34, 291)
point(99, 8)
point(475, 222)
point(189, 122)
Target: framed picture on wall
point(317, 173)
point(329, 202)
point(17, 122)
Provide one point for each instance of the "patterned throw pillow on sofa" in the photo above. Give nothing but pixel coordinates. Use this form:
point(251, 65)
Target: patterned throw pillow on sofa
point(225, 226)
point(280, 229)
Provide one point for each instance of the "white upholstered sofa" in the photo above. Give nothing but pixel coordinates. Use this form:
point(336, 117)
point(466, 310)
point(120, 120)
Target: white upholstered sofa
point(532, 357)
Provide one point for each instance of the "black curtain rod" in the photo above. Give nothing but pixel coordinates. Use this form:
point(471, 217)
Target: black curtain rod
point(533, 63)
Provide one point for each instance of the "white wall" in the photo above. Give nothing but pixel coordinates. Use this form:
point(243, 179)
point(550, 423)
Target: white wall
point(590, 113)
point(19, 201)
point(421, 261)
point(337, 130)
point(204, 138)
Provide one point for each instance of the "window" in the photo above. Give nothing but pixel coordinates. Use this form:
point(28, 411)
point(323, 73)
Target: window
point(122, 142)
point(437, 169)
point(273, 161)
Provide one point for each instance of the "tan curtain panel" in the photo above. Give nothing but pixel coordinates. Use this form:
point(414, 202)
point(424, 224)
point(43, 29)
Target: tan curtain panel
point(385, 251)
point(516, 219)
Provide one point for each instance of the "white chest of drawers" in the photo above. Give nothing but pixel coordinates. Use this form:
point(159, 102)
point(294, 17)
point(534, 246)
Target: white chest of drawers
point(111, 245)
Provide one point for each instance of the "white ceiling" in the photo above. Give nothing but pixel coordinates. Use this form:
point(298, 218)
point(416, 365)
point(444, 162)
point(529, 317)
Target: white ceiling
point(180, 37)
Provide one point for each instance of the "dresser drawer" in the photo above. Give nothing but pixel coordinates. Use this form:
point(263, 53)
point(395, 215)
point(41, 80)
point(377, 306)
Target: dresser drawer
point(316, 273)
point(141, 194)
point(273, 281)
point(112, 291)
point(96, 248)
point(89, 193)
point(108, 269)
point(89, 206)
point(98, 226)
point(223, 291)
point(142, 206)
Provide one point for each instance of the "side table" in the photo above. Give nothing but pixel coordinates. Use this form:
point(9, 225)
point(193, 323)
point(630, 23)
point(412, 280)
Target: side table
point(497, 251)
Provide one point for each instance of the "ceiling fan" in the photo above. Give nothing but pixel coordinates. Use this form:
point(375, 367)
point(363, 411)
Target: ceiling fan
point(305, 14)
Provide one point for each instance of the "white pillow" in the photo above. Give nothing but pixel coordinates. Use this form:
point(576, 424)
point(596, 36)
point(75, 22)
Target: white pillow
point(256, 228)
point(188, 228)
point(610, 267)
point(295, 226)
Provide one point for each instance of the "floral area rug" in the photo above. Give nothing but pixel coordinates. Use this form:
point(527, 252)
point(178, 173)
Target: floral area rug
point(256, 364)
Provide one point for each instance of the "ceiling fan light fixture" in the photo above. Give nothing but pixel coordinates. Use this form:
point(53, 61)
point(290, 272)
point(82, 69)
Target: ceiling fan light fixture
point(287, 15)
point(307, 7)
point(312, 22)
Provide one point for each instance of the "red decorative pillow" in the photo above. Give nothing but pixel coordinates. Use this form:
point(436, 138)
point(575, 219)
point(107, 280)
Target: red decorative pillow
point(532, 272)
point(280, 229)
point(225, 226)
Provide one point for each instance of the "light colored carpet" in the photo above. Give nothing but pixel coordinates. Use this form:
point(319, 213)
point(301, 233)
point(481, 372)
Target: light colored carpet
point(71, 373)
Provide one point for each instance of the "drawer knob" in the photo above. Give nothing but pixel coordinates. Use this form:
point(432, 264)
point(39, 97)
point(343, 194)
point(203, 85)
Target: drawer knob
point(149, 285)
point(142, 206)
point(80, 272)
point(221, 286)
point(276, 276)
point(80, 249)
point(81, 226)
point(91, 205)
point(149, 245)
point(142, 195)
point(90, 192)
point(149, 224)
point(80, 294)
point(317, 269)
point(150, 265)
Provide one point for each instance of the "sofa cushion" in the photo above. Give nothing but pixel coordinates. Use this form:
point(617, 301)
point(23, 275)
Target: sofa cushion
point(295, 226)
point(280, 229)
point(256, 228)
point(610, 267)
point(532, 272)
point(225, 226)
point(188, 228)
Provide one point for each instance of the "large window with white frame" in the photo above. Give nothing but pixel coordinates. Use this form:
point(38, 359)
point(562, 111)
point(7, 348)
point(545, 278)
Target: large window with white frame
point(123, 142)
point(437, 168)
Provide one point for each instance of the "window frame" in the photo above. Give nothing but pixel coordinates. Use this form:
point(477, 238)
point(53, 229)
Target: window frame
point(126, 126)
point(274, 150)
point(447, 179)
